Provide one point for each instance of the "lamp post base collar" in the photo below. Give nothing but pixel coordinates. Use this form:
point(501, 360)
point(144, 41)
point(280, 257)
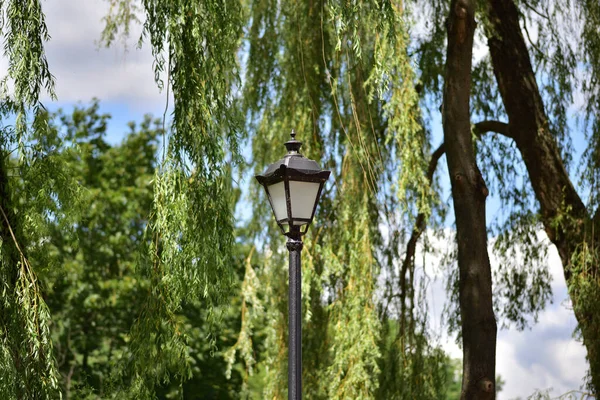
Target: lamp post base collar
point(294, 244)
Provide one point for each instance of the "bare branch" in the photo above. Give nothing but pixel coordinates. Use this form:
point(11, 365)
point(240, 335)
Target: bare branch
point(545, 16)
point(480, 129)
point(487, 126)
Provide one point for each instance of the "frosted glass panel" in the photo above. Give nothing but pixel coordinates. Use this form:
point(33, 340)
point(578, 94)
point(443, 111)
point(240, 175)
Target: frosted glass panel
point(304, 196)
point(277, 192)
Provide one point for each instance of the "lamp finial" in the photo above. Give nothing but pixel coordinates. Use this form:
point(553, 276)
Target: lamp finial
point(293, 146)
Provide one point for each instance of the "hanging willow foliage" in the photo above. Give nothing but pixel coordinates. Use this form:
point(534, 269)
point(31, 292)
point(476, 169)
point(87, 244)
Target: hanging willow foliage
point(191, 226)
point(339, 73)
point(27, 367)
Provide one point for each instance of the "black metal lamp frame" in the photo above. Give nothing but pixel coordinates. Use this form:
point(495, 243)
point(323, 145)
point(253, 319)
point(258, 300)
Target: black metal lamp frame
point(297, 168)
point(286, 174)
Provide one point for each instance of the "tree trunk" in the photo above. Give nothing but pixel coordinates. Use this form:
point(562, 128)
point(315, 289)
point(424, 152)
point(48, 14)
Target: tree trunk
point(564, 215)
point(469, 194)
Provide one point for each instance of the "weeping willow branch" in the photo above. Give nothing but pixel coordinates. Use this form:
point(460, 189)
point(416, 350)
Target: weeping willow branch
point(25, 317)
point(12, 234)
point(244, 344)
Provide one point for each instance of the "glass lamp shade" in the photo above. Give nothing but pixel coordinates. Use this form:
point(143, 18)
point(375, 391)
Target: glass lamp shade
point(276, 194)
point(303, 198)
point(293, 185)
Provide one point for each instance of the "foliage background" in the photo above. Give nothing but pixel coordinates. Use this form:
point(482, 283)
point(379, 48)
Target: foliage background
point(354, 142)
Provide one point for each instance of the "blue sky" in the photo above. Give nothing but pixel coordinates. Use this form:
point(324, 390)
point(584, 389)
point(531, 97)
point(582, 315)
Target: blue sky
point(121, 77)
point(545, 356)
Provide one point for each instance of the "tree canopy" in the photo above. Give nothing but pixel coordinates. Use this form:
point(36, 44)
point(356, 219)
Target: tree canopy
point(123, 268)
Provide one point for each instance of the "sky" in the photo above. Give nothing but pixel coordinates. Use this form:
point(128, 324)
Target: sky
point(543, 357)
point(122, 76)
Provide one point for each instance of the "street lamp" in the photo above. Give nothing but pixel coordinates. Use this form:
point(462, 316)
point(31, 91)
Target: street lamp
point(293, 186)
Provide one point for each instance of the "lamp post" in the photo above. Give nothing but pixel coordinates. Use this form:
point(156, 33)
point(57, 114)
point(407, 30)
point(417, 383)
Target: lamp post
point(293, 185)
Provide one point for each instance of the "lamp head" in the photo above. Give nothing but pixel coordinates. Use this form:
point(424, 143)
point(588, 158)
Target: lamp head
point(293, 185)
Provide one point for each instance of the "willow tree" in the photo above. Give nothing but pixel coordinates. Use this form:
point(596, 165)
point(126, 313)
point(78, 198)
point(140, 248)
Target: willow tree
point(360, 83)
point(26, 359)
point(536, 117)
point(189, 257)
point(539, 79)
point(339, 73)
point(469, 193)
point(190, 226)
point(566, 58)
point(317, 68)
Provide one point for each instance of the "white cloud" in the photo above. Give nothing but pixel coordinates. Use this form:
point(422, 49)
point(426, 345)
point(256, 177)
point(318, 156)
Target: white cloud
point(83, 70)
point(543, 357)
point(547, 356)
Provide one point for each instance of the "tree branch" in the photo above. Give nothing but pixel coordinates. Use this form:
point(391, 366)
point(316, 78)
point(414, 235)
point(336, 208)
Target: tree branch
point(480, 129)
point(596, 224)
point(487, 126)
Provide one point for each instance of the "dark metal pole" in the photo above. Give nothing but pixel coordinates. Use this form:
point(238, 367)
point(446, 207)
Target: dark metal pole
point(294, 245)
